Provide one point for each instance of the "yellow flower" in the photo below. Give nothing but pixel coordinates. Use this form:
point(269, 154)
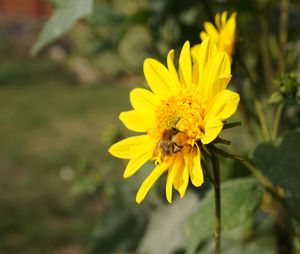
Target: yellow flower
point(182, 111)
point(223, 33)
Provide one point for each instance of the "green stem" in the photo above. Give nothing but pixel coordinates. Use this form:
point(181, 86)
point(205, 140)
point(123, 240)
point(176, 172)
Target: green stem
point(264, 45)
point(231, 125)
point(207, 172)
point(283, 33)
point(262, 120)
point(245, 113)
point(277, 121)
point(248, 74)
point(221, 141)
point(216, 172)
point(262, 179)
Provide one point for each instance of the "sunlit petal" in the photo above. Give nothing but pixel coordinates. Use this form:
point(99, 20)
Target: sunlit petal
point(142, 99)
point(149, 181)
point(194, 166)
point(170, 179)
point(211, 30)
point(212, 129)
point(137, 161)
point(185, 65)
point(222, 33)
point(123, 148)
point(182, 176)
point(158, 77)
point(137, 120)
point(224, 104)
point(172, 69)
point(219, 85)
point(218, 66)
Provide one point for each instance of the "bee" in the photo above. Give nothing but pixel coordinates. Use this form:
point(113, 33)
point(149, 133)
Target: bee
point(172, 141)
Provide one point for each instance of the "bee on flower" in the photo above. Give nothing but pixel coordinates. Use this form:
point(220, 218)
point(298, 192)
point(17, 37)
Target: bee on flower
point(182, 111)
point(222, 33)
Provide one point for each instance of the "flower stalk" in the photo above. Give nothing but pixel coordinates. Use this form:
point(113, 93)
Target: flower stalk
point(216, 172)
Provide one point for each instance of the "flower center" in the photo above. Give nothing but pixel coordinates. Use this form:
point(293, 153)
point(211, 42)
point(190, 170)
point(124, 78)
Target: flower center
point(179, 122)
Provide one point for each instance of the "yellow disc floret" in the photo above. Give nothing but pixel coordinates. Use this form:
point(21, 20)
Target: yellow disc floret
point(179, 123)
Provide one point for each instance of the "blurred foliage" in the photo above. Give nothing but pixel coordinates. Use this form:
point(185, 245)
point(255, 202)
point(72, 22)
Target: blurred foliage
point(235, 211)
point(282, 167)
point(66, 14)
point(288, 88)
point(173, 218)
point(70, 130)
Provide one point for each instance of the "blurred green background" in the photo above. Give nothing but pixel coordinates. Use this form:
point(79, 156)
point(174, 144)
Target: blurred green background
point(60, 191)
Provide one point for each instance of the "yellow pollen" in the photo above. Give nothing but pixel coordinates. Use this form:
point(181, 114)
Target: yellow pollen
point(184, 112)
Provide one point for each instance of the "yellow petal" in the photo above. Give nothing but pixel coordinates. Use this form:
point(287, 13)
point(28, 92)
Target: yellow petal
point(123, 148)
point(194, 165)
point(158, 77)
point(143, 100)
point(195, 73)
point(224, 104)
point(172, 69)
point(185, 181)
point(179, 165)
point(203, 36)
point(185, 65)
point(170, 179)
point(149, 181)
point(139, 160)
point(195, 51)
point(205, 52)
point(182, 176)
point(219, 85)
point(232, 22)
point(137, 120)
point(223, 18)
point(211, 31)
point(218, 20)
point(212, 128)
point(218, 66)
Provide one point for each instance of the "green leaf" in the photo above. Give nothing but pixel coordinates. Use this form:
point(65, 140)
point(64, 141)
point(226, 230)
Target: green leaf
point(257, 244)
point(276, 97)
point(281, 163)
point(239, 198)
point(165, 226)
point(67, 12)
point(111, 232)
point(105, 15)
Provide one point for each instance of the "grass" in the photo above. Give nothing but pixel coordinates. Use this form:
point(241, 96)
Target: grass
point(46, 125)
